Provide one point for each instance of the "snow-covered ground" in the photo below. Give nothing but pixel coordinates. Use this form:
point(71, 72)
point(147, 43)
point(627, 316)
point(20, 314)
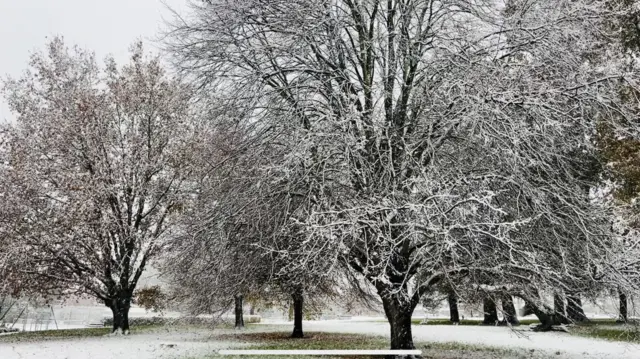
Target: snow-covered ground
point(167, 344)
point(569, 346)
point(172, 343)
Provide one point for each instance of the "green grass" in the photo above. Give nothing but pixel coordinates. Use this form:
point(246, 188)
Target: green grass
point(68, 333)
point(56, 334)
point(620, 335)
point(598, 321)
point(608, 329)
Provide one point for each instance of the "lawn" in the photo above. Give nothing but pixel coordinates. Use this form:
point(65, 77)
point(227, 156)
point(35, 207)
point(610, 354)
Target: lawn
point(608, 329)
point(55, 334)
point(280, 340)
point(198, 342)
point(72, 333)
point(274, 338)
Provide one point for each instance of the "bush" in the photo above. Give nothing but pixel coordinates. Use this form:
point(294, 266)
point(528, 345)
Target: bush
point(4, 329)
point(151, 298)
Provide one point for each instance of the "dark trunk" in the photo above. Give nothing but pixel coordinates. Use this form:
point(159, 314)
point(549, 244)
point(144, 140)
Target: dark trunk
point(559, 308)
point(298, 301)
point(547, 317)
point(490, 311)
point(454, 315)
point(509, 311)
point(238, 312)
point(574, 309)
point(398, 311)
point(528, 309)
point(623, 317)
point(120, 310)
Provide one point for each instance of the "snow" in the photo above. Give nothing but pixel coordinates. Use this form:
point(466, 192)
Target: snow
point(199, 342)
point(195, 343)
point(569, 346)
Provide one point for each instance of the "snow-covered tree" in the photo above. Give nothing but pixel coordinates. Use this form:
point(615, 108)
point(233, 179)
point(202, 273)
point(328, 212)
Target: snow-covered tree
point(434, 138)
point(242, 213)
point(99, 161)
point(619, 150)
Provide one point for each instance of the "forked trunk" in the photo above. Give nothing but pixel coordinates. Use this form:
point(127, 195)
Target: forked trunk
point(120, 310)
point(398, 311)
point(298, 301)
point(454, 314)
point(238, 312)
point(575, 312)
point(490, 312)
point(509, 311)
point(623, 317)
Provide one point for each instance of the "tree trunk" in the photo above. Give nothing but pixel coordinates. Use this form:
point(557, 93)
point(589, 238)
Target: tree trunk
point(238, 312)
point(398, 311)
point(560, 309)
point(120, 309)
point(252, 309)
point(454, 315)
point(509, 310)
point(546, 319)
point(490, 311)
point(528, 309)
point(574, 309)
point(298, 301)
point(623, 317)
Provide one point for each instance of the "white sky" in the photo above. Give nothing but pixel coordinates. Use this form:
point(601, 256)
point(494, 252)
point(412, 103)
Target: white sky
point(103, 26)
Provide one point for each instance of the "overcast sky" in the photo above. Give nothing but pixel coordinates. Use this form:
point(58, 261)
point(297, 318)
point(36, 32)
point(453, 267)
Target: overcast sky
point(104, 26)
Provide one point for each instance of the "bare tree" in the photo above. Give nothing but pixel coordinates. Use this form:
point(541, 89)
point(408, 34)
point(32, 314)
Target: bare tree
point(99, 162)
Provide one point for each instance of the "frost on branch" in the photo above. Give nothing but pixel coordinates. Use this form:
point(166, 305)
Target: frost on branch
point(97, 172)
point(433, 139)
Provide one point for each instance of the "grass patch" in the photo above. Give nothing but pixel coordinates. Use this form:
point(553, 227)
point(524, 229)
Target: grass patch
point(338, 341)
point(311, 341)
point(620, 335)
point(609, 330)
point(58, 334)
point(599, 322)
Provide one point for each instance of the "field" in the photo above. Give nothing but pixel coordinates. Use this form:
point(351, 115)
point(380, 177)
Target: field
point(436, 341)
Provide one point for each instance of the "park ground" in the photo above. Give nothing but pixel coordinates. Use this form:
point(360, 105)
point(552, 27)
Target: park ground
point(599, 339)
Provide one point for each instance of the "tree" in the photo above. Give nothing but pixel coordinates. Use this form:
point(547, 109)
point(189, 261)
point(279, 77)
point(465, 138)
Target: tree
point(241, 211)
point(575, 313)
point(99, 162)
point(452, 300)
point(509, 310)
point(490, 311)
point(432, 137)
point(620, 150)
